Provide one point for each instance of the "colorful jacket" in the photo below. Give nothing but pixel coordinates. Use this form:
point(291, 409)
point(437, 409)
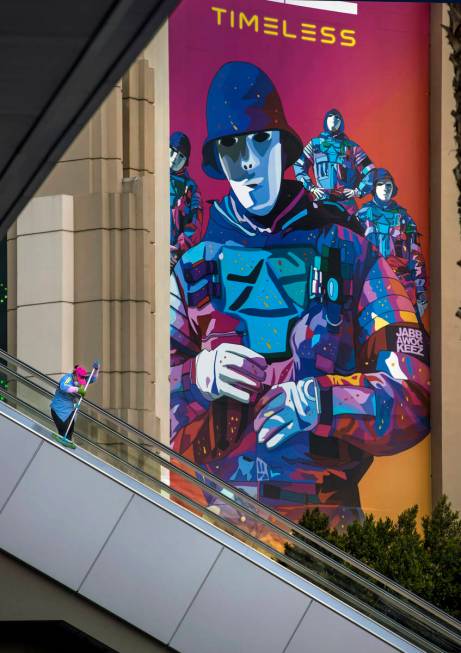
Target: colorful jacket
point(393, 232)
point(186, 214)
point(334, 162)
point(66, 396)
point(317, 300)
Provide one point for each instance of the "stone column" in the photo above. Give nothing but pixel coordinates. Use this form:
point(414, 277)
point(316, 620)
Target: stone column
point(157, 55)
point(119, 248)
point(445, 273)
point(41, 268)
point(113, 244)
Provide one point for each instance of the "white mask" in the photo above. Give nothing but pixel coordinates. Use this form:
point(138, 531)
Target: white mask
point(252, 164)
point(333, 123)
point(177, 160)
point(384, 190)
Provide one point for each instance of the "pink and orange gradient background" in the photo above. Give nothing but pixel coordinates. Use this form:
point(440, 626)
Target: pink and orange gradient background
point(381, 86)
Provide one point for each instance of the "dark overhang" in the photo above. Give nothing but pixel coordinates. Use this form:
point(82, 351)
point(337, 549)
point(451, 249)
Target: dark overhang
point(58, 61)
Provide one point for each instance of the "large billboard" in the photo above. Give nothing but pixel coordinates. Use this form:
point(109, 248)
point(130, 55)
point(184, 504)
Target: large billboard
point(299, 250)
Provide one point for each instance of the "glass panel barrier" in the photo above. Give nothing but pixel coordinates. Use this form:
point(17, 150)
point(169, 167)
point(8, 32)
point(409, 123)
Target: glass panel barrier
point(155, 465)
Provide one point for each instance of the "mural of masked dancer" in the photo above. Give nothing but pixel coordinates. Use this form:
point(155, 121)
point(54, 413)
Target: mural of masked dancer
point(289, 370)
point(333, 167)
point(186, 214)
point(388, 226)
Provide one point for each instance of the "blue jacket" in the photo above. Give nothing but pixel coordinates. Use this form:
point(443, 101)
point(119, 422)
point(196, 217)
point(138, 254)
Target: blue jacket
point(65, 400)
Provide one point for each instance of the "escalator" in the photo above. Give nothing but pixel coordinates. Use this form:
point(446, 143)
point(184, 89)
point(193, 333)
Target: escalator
point(144, 533)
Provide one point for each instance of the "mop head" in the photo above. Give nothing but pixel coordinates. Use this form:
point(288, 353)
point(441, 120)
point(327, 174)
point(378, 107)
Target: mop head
point(64, 441)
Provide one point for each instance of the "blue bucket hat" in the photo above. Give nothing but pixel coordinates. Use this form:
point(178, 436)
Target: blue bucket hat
point(381, 174)
point(181, 143)
point(242, 99)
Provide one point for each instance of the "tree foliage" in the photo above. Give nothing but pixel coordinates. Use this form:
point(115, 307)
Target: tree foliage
point(426, 562)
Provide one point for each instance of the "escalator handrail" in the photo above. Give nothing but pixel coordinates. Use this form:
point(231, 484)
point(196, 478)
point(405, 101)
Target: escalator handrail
point(391, 586)
point(289, 539)
point(380, 617)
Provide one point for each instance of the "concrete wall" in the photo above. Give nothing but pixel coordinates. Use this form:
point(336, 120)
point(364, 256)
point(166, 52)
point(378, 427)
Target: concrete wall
point(27, 595)
point(157, 55)
point(41, 299)
point(83, 257)
point(445, 273)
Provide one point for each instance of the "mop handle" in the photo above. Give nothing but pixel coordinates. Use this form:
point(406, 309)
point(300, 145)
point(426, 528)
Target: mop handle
point(78, 404)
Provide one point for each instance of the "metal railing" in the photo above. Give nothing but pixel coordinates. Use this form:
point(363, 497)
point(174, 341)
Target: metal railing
point(157, 466)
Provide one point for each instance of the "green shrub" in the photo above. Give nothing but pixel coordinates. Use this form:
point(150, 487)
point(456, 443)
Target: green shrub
point(442, 543)
point(427, 563)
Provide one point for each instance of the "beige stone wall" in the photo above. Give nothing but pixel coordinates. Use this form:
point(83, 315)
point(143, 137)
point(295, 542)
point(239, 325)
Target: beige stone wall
point(41, 280)
point(157, 55)
point(83, 257)
point(445, 273)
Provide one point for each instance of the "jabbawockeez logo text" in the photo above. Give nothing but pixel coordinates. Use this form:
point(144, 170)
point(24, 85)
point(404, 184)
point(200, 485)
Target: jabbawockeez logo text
point(409, 341)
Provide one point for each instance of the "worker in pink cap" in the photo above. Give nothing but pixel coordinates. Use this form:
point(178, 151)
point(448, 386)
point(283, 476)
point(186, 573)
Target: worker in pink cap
point(71, 387)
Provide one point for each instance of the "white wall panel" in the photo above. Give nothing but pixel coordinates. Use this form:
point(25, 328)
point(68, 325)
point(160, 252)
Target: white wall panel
point(201, 591)
point(240, 609)
point(150, 569)
point(60, 515)
point(17, 446)
point(326, 631)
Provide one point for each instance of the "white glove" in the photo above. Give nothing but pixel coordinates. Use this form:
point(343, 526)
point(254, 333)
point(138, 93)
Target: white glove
point(351, 192)
point(318, 193)
point(286, 410)
point(231, 371)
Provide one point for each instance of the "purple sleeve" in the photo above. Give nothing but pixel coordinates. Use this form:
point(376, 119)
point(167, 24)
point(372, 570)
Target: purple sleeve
point(384, 407)
point(187, 403)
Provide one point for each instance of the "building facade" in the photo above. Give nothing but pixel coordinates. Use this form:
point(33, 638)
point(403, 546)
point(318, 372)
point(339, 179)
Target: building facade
point(88, 270)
